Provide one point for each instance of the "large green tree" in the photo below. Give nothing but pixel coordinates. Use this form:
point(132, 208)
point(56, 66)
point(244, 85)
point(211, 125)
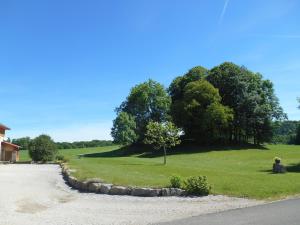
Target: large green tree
point(199, 111)
point(146, 102)
point(253, 100)
point(124, 129)
point(176, 91)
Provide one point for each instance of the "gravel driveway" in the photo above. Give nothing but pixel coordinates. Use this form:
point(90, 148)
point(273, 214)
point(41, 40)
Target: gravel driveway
point(37, 194)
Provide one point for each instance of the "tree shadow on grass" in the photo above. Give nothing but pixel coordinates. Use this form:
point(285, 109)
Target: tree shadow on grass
point(143, 151)
point(142, 164)
point(120, 152)
point(192, 149)
point(270, 171)
point(293, 168)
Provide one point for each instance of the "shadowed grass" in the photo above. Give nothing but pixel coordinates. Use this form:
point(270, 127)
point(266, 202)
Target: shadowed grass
point(293, 168)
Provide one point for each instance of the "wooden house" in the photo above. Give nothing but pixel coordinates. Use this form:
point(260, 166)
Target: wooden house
point(8, 151)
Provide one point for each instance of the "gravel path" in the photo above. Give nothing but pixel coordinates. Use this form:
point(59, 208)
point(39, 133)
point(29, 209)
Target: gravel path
point(37, 194)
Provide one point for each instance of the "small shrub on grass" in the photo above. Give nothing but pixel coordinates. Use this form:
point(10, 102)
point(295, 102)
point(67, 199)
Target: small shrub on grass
point(42, 148)
point(175, 181)
point(197, 186)
point(61, 158)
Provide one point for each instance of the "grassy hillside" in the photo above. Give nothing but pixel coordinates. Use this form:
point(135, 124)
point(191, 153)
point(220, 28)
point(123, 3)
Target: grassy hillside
point(239, 172)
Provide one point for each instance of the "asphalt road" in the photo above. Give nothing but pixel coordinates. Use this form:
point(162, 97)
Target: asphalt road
point(278, 213)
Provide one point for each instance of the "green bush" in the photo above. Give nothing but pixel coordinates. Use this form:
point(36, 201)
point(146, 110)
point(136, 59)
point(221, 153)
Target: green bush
point(175, 181)
point(61, 158)
point(197, 186)
point(42, 148)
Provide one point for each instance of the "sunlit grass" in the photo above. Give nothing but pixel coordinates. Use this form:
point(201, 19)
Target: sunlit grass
point(243, 173)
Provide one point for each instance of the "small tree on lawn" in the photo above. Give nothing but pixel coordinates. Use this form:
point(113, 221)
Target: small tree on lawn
point(162, 135)
point(42, 148)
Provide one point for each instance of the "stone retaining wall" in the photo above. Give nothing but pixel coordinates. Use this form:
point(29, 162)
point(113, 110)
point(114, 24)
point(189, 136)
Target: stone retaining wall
point(99, 187)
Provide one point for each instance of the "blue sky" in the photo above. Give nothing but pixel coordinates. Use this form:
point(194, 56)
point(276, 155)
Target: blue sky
point(65, 65)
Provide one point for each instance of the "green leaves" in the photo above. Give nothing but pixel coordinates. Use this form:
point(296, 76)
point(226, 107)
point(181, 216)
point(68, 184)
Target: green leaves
point(124, 129)
point(252, 99)
point(228, 103)
point(197, 185)
point(202, 114)
point(42, 148)
point(146, 102)
point(162, 135)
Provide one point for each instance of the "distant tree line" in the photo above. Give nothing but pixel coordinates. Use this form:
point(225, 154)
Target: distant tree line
point(285, 132)
point(83, 144)
point(297, 138)
point(25, 143)
point(227, 104)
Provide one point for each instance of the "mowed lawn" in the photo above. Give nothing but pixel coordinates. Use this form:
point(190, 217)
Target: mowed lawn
point(242, 173)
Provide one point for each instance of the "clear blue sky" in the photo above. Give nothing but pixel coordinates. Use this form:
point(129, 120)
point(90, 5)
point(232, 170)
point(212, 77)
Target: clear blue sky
point(66, 64)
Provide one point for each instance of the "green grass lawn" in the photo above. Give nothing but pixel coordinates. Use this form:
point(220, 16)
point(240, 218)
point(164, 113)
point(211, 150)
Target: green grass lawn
point(242, 173)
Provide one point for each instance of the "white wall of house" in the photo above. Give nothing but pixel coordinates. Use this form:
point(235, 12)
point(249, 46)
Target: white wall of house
point(2, 134)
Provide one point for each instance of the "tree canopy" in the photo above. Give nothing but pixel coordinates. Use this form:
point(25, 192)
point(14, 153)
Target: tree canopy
point(204, 117)
point(42, 148)
point(146, 102)
point(124, 129)
point(252, 99)
point(226, 104)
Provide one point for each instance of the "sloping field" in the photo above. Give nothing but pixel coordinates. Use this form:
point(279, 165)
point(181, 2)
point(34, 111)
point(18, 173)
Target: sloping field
point(236, 172)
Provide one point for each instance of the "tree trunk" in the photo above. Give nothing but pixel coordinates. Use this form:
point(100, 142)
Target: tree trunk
point(165, 156)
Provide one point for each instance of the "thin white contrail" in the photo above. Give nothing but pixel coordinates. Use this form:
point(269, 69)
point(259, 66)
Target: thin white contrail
point(223, 11)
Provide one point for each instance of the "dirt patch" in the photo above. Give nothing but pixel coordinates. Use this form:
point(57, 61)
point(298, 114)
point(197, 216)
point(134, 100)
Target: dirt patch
point(28, 206)
point(65, 198)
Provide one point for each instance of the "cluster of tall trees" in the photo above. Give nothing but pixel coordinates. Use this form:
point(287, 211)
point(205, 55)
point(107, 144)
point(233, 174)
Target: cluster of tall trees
point(227, 104)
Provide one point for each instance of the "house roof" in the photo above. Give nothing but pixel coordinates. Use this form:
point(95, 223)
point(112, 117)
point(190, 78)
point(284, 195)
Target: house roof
point(10, 144)
point(4, 127)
